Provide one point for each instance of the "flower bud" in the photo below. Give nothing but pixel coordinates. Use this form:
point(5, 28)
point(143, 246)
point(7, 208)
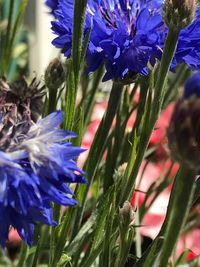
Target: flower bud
point(54, 74)
point(184, 130)
point(119, 173)
point(129, 78)
point(179, 13)
point(127, 214)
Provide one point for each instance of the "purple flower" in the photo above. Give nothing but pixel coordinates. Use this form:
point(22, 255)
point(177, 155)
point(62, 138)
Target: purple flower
point(192, 86)
point(125, 36)
point(35, 171)
point(52, 4)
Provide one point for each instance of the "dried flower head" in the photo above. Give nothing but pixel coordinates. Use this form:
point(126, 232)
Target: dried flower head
point(179, 14)
point(36, 161)
point(184, 129)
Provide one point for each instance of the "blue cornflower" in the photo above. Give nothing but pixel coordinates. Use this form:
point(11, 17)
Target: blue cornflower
point(34, 172)
point(125, 36)
point(192, 86)
point(52, 4)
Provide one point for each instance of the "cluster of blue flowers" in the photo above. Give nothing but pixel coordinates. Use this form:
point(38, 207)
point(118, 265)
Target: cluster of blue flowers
point(36, 163)
point(126, 35)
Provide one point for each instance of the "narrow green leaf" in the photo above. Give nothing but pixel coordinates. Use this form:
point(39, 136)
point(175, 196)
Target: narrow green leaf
point(16, 27)
point(64, 260)
point(86, 229)
point(148, 257)
point(99, 231)
point(70, 99)
point(88, 262)
point(107, 244)
point(84, 49)
point(78, 29)
point(78, 126)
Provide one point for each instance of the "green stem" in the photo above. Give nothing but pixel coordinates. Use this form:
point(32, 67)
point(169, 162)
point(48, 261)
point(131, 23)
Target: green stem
point(178, 212)
point(97, 147)
point(73, 76)
point(91, 100)
point(77, 42)
point(58, 247)
point(168, 53)
point(36, 255)
point(89, 261)
point(53, 232)
point(178, 80)
point(52, 100)
point(23, 254)
point(126, 239)
point(140, 111)
point(147, 253)
point(8, 30)
point(10, 17)
point(16, 26)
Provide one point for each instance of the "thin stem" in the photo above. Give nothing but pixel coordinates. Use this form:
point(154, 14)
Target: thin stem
point(168, 53)
point(180, 77)
point(10, 16)
point(91, 100)
point(78, 29)
point(16, 26)
point(126, 239)
point(36, 255)
point(23, 254)
point(177, 213)
point(53, 232)
point(97, 147)
point(52, 100)
point(58, 247)
point(137, 234)
point(8, 30)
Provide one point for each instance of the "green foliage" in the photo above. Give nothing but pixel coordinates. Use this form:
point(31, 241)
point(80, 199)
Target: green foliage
point(94, 233)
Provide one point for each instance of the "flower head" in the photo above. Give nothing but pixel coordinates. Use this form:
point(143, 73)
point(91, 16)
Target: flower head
point(54, 74)
point(52, 4)
point(184, 128)
point(125, 36)
point(36, 165)
point(179, 14)
point(192, 86)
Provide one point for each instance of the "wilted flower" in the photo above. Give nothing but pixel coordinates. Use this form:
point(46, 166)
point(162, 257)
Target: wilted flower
point(36, 163)
point(125, 36)
point(179, 14)
point(127, 214)
point(54, 74)
point(26, 95)
point(184, 129)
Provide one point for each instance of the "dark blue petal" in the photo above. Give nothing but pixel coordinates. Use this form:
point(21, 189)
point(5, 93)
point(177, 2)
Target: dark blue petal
point(36, 173)
point(192, 86)
point(117, 26)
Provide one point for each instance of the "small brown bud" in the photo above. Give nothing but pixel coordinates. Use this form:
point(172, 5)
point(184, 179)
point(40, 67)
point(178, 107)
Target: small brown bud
point(119, 173)
point(179, 13)
point(54, 74)
point(127, 214)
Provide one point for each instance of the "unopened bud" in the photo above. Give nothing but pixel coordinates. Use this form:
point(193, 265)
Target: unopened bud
point(129, 77)
point(127, 214)
point(184, 130)
point(54, 74)
point(179, 13)
point(119, 173)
